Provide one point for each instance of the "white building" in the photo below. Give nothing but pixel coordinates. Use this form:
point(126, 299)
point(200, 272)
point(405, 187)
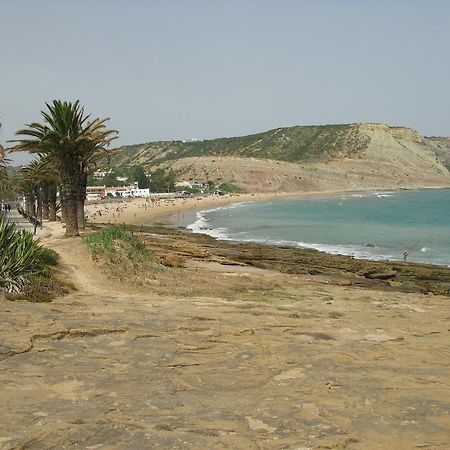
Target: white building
point(118, 191)
point(98, 174)
point(190, 184)
point(140, 192)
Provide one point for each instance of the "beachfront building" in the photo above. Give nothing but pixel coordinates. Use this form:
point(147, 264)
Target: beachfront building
point(100, 192)
point(140, 192)
point(95, 192)
point(118, 191)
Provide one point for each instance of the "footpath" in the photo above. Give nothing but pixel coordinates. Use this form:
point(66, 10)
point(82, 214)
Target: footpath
point(21, 223)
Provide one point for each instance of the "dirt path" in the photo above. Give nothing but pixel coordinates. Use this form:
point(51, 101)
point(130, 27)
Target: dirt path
point(285, 365)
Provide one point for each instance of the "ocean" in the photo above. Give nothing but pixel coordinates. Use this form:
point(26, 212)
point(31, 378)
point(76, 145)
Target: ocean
point(377, 225)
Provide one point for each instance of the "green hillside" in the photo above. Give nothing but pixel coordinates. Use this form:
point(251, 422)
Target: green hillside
point(300, 143)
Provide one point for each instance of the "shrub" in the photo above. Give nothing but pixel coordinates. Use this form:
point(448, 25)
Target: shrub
point(40, 289)
point(110, 240)
point(229, 188)
point(48, 257)
point(19, 258)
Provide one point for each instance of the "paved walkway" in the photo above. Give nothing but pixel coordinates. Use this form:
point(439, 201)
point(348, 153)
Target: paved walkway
point(21, 223)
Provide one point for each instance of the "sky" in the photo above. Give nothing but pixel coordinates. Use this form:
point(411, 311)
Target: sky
point(182, 69)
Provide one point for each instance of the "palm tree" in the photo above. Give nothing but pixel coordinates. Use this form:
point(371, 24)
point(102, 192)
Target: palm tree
point(27, 186)
point(64, 138)
point(3, 175)
point(41, 174)
point(2, 163)
point(93, 150)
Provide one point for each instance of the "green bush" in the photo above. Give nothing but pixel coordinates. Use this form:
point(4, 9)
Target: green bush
point(40, 288)
point(20, 258)
point(110, 240)
point(48, 257)
point(229, 188)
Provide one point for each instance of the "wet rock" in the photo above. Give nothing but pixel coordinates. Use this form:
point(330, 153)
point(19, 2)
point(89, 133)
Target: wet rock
point(380, 275)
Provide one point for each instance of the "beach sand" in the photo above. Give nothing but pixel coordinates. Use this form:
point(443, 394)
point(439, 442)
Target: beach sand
point(141, 211)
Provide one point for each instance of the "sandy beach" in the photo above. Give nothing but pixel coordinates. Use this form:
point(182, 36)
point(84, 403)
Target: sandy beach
point(141, 211)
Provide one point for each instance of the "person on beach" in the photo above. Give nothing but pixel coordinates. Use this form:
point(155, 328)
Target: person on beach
point(405, 255)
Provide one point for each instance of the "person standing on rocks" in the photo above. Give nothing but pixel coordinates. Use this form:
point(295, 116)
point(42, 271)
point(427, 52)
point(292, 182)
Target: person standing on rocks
point(405, 255)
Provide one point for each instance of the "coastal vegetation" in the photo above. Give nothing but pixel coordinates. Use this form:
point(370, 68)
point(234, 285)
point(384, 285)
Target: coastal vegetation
point(121, 253)
point(110, 241)
point(290, 144)
point(298, 143)
point(25, 266)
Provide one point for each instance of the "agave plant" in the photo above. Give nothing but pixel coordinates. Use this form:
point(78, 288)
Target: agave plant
point(19, 259)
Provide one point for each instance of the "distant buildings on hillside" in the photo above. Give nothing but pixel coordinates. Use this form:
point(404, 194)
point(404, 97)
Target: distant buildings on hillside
point(190, 184)
point(101, 192)
point(132, 190)
point(99, 174)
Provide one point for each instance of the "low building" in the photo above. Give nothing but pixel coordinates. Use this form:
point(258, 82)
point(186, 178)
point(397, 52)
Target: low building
point(118, 191)
point(140, 192)
point(99, 174)
point(95, 192)
point(190, 184)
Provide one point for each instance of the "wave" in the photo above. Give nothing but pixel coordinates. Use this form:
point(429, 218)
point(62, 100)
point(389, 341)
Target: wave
point(202, 226)
point(368, 195)
point(209, 224)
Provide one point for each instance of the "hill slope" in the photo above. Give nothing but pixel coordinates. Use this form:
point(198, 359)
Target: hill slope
point(329, 157)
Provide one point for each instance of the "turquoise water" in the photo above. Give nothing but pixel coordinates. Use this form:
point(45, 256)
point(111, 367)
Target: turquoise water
point(378, 225)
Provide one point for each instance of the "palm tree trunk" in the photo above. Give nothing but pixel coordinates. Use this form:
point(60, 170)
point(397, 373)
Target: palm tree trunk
point(80, 214)
point(81, 200)
point(31, 205)
point(38, 204)
point(45, 201)
point(52, 202)
point(28, 204)
point(70, 202)
point(63, 205)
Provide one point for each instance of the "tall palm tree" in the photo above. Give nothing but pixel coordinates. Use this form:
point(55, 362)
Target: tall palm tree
point(2, 160)
point(93, 150)
point(64, 137)
point(2, 173)
point(2, 163)
point(27, 186)
point(43, 176)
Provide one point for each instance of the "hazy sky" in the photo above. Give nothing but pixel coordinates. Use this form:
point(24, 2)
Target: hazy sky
point(168, 69)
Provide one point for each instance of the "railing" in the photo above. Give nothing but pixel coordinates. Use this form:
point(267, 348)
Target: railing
point(32, 219)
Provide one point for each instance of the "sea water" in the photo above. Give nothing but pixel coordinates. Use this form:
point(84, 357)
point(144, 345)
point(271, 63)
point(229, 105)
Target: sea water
point(376, 225)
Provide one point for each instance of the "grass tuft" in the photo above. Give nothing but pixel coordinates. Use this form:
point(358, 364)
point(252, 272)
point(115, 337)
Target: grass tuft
point(115, 241)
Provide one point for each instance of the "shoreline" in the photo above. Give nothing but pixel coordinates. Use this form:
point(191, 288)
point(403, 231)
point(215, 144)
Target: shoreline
point(180, 213)
point(141, 211)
